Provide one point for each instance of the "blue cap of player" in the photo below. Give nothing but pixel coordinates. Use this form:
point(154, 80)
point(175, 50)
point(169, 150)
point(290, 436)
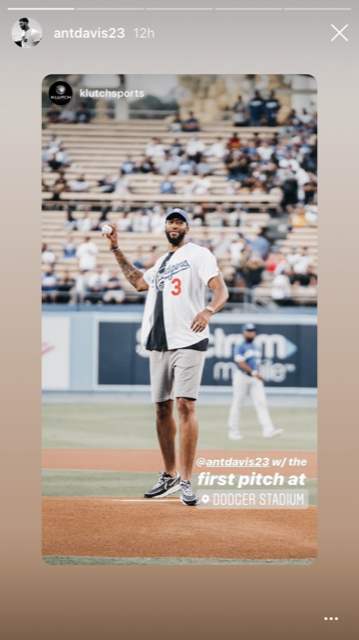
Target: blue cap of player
point(177, 212)
point(249, 327)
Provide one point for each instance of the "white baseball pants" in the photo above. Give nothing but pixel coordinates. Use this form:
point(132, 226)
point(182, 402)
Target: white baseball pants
point(243, 384)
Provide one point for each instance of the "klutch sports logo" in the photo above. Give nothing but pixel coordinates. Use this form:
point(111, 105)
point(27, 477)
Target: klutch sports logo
point(60, 93)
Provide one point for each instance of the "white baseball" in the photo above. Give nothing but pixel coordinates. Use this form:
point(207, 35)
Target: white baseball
point(106, 228)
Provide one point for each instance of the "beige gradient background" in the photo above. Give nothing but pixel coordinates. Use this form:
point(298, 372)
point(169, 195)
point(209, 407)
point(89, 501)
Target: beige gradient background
point(41, 601)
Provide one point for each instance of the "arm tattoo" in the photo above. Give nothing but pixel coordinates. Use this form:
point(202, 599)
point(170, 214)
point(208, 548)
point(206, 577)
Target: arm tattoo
point(129, 271)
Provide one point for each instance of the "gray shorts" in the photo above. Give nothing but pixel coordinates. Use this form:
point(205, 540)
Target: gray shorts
point(176, 374)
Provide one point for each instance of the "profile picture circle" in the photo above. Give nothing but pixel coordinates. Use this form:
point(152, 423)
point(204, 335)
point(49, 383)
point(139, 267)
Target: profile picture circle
point(60, 93)
point(26, 33)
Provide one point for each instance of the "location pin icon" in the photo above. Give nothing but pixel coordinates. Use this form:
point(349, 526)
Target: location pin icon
point(205, 499)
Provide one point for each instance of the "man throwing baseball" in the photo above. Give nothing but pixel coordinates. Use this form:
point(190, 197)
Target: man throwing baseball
point(175, 331)
point(247, 379)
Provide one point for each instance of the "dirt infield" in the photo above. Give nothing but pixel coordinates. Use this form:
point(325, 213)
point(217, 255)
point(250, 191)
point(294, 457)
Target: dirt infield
point(121, 528)
point(148, 460)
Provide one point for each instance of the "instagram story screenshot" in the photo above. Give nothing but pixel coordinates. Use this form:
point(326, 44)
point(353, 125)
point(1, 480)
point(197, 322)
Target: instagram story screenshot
point(179, 234)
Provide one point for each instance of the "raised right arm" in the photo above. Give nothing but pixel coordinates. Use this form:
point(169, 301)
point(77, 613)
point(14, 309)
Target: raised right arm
point(133, 275)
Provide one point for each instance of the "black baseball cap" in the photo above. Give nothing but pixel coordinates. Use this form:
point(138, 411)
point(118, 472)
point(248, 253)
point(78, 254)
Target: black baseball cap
point(180, 213)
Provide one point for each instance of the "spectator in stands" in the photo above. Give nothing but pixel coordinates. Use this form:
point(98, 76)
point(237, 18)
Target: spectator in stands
point(62, 156)
point(305, 117)
point(310, 188)
point(292, 257)
point(44, 187)
point(139, 261)
point(82, 115)
point(84, 224)
point(204, 168)
point(187, 188)
point(186, 166)
point(311, 214)
point(67, 114)
point(167, 186)
point(297, 217)
point(123, 223)
point(202, 186)
point(176, 148)
point(239, 113)
point(87, 255)
point(217, 149)
point(157, 222)
point(305, 261)
point(69, 247)
point(70, 222)
point(236, 249)
point(128, 166)
point(54, 144)
point(53, 114)
point(260, 244)
point(265, 151)
point(49, 285)
point(252, 268)
point(113, 290)
point(105, 184)
point(195, 148)
point(233, 165)
point(169, 164)
point(221, 246)
point(65, 286)
point(271, 108)
point(79, 290)
point(80, 184)
point(140, 222)
point(273, 260)
point(256, 109)
point(281, 288)
point(233, 142)
point(53, 163)
point(289, 187)
point(155, 150)
point(146, 165)
point(191, 124)
point(199, 216)
point(122, 184)
point(176, 124)
point(96, 285)
point(306, 279)
point(216, 217)
point(47, 256)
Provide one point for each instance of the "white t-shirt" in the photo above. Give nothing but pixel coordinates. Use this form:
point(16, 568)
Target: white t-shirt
point(32, 38)
point(86, 253)
point(281, 287)
point(186, 276)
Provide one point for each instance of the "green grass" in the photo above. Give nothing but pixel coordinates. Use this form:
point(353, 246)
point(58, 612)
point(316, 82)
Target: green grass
point(86, 560)
point(61, 483)
point(123, 426)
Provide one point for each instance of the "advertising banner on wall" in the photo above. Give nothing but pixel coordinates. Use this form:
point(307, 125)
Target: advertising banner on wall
point(289, 354)
point(55, 353)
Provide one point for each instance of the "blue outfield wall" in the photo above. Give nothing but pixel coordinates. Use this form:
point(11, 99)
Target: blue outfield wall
point(103, 352)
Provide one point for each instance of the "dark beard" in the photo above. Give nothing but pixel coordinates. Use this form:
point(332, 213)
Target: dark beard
point(175, 241)
point(250, 339)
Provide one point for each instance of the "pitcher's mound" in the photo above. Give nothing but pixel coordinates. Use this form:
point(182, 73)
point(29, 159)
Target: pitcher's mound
point(119, 528)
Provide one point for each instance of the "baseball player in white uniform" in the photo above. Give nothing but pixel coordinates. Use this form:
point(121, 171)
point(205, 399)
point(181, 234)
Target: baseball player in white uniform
point(247, 379)
point(29, 37)
point(175, 331)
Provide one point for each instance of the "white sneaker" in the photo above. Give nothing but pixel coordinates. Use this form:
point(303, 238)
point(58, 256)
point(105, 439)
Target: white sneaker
point(232, 435)
point(273, 434)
